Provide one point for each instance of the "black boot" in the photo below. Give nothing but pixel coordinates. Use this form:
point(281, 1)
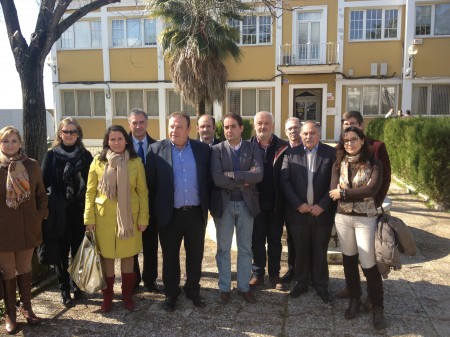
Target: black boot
point(376, 294)
point(353, 281)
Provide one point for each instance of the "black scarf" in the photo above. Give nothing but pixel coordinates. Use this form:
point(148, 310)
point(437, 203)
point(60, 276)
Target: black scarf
point(75, 186)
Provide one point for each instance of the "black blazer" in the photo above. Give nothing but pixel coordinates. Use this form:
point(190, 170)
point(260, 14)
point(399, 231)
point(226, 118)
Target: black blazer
point(160, 181)
point(294, 181)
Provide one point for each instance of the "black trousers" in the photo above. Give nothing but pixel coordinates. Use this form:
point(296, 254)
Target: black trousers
point(70, 242)
point(150, 254)
point(267, 225)
point(190, 226)
point(311, 239)
point(291, 248)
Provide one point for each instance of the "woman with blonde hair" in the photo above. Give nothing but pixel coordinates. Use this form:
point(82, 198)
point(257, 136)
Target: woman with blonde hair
point(117, 210)
point(23, 206)
point(65, 169)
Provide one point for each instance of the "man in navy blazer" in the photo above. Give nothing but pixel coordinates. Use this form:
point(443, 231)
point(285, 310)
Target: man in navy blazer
point(138, 122)
point(179, 178)
point(305, 181)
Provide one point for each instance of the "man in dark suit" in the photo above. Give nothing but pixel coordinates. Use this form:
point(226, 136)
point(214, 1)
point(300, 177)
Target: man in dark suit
point(354, 118)
point(206, 128)
point(305, 182)
point(138, 122)
point(236, 167)
point(178, 175)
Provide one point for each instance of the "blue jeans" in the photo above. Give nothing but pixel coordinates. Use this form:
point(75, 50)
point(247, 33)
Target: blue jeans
point(235, 215)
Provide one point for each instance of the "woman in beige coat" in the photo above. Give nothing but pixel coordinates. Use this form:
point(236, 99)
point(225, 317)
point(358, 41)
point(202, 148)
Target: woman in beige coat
point(117, 210)
point(23, 206)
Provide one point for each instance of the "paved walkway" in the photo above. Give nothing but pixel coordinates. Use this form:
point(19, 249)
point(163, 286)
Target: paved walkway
point(417, 299)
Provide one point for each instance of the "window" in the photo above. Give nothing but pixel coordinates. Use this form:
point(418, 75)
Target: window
point(374, 24)
point(133, 32)
point(371, 99)
point(433, 20)
point(176, 103)
point(84, 103)
point(254, 29)
point(246, 102)
point(125, 100)
point(83, 34)
point(431, 99)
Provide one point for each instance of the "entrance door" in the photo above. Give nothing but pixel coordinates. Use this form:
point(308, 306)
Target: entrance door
point(308, 104)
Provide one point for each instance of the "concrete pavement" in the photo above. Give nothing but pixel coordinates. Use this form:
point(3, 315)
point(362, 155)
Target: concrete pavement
point(417, 299)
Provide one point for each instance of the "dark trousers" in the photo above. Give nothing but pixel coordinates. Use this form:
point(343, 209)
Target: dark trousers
point(190, 226)
point(150, 253)
point(70, 242)
point(291, 248)
point(267, 226)
point(311, 239)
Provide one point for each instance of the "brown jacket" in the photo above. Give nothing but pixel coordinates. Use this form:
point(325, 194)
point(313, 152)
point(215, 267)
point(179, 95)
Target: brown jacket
point(21, 228)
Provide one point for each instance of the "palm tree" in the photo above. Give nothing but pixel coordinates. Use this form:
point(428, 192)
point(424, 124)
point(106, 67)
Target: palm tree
point(196, 40)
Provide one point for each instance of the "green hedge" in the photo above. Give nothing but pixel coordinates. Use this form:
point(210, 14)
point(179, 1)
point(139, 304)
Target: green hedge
point(247, 134)
point(419, 150)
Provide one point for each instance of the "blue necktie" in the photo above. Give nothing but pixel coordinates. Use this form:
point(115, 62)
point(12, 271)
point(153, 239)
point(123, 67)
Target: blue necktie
point(141, 152)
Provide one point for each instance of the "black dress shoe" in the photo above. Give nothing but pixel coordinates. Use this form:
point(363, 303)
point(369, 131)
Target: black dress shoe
point(197, 301)
point(169, 304)
point(66, 300)
point(153, 287)
point(298, 290)
point(325, 295)
point(78, 294)
point(289, 276)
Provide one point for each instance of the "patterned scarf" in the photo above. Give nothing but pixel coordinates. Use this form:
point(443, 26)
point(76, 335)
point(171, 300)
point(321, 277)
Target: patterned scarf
point(116, 185)
point(17, 181)
point(361, 178)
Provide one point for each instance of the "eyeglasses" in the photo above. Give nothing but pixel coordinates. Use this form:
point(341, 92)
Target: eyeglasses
point(351, 140)
point(70, 132)
point(347, 124)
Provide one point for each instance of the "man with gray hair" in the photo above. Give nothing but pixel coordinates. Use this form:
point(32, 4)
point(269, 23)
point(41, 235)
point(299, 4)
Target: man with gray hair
point(268, 225)
point(305, 180)
point(138, 122)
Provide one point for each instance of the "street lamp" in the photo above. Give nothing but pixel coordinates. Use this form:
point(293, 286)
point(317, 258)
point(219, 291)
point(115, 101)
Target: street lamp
point(412, 50)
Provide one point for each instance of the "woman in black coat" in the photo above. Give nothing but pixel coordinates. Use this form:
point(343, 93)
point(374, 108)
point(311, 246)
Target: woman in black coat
point(65, 169)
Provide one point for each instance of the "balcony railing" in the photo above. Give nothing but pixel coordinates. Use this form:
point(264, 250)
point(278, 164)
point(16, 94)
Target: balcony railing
point(309, 54)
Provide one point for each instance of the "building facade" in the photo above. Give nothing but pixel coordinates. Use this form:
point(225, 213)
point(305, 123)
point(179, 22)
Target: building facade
point(314, 60)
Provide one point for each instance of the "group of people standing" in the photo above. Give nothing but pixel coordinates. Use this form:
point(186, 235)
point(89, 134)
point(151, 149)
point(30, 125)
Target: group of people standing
point(138, 189)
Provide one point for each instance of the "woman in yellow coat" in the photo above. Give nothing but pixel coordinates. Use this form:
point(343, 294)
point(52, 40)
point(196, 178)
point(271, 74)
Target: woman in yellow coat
point(117, 210)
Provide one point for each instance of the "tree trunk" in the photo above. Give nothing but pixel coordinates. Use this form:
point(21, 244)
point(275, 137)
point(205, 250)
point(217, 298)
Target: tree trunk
point(34, 112)
point(201, 107)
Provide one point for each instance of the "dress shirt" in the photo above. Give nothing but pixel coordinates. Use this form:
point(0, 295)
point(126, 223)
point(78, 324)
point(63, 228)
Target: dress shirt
point(185, 177)
point(311, 162)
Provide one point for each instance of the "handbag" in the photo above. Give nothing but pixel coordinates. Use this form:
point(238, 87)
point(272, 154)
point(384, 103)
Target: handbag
point(86, 269)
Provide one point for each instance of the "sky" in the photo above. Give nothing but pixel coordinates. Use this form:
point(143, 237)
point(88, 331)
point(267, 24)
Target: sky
point(10, 89)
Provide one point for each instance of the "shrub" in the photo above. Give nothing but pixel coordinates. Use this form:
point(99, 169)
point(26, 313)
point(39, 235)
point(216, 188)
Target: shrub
point(419, 150)
point(247, 134)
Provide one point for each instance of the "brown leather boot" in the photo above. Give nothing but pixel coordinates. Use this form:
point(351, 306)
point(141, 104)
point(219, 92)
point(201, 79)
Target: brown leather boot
point(128, 283)
point(108, 294)
point(24, 284)
point(9, 288)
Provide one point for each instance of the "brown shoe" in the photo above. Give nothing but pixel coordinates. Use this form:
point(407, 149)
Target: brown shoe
point(248, 296)
point(256, 282)
point(342, 294)
point(224, 297)
point(276, 282)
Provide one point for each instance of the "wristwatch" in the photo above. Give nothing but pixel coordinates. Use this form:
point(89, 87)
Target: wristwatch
point(342, 193)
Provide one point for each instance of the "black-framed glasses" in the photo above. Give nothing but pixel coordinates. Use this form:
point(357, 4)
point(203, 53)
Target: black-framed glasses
point(351, 140)
point(70, 132)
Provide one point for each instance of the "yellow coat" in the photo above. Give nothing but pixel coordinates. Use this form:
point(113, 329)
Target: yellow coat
point(101, 211)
